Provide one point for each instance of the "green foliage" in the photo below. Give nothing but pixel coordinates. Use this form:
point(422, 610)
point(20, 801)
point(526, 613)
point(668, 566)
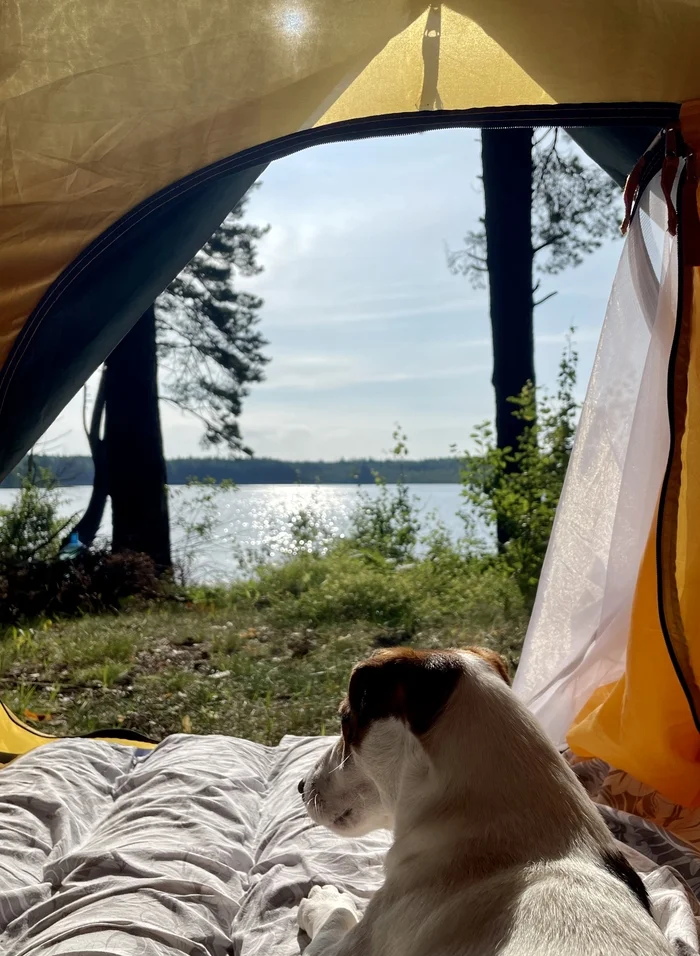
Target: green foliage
point(575, 205)
point(387, 524)
point(309, 533)
point(31, 529)
point(92, 582)
point(36, 584)
point(518, 489)
point(342, 587)
point(377, 577)
point(444, 593)
point(575, 208)
point(208, 335)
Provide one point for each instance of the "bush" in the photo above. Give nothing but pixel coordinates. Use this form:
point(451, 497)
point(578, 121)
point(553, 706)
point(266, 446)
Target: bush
point(376, 581)
point(517, 490)
point(352, 589)
point(447, 592)
point(30, 529)
point(93, 582)
point(388, 525)
point(35, 583)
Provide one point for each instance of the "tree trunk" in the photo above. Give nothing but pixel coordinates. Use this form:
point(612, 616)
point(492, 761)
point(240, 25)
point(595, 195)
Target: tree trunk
point(507, 166)
point(134, 445)
point(89, 524)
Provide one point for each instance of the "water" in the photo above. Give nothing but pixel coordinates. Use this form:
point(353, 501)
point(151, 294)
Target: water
point(254, 519)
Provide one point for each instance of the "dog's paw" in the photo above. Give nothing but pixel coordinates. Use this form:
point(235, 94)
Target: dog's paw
point(323, 904)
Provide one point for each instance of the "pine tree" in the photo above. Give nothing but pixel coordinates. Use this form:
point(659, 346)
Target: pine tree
point(209, 344)
point(204, 332)
point(544, 212)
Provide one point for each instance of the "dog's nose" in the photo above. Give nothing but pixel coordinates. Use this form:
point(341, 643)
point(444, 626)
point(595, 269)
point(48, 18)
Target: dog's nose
point(301, 786)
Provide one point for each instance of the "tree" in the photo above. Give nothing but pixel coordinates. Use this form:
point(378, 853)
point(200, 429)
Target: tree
point(545, 210)
point(88, 526)
point(507, 242)
point(133, 434)
point(522, 500)
point(208, 340)
point(203, 334)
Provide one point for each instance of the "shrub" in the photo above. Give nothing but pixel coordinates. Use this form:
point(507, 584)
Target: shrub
point(95, 581)
point(387, 524)
point(448, 592)
point(517, 490)
point(31, 529)
point(35, 583)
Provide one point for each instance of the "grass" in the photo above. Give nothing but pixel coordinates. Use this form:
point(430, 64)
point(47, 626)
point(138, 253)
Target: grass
point(263, 658)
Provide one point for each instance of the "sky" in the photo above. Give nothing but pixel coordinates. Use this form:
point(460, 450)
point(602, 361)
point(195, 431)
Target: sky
point(367, 327)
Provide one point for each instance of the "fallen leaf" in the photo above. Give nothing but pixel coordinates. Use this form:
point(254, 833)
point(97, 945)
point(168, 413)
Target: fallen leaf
point(30, 715)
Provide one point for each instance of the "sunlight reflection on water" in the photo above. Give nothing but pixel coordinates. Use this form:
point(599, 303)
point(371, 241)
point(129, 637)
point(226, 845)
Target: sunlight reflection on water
point(256, 518)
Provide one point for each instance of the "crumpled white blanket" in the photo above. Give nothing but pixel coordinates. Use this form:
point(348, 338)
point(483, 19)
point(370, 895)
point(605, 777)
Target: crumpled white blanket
point(200, 847)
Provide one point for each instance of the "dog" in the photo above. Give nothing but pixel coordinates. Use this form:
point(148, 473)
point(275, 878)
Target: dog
point(497, 848)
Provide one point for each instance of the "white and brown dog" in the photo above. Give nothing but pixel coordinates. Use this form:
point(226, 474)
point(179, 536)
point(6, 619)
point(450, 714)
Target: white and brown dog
point(497, 848)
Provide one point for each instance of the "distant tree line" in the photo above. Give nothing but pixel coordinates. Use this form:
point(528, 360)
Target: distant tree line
point(78, 470)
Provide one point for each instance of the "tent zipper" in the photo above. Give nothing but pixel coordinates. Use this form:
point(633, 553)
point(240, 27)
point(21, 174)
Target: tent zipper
point(571, 116)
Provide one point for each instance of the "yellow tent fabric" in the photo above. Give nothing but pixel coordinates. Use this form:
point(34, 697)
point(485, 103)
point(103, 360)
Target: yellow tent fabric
point(102, 106)
point(647, 722)
point(642, 723)
point(17, 738)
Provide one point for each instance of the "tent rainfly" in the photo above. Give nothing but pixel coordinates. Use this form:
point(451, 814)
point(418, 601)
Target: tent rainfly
point(128, 130)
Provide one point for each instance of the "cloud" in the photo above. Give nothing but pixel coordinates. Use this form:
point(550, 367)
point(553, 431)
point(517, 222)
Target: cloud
point(581, 336)
point(337, 312)
point(310, 373)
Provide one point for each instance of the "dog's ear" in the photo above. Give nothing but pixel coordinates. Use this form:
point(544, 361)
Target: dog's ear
point(494, 660)
point(412, 686)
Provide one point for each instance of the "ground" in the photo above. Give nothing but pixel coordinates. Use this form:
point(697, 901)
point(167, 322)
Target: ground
point(256, 663)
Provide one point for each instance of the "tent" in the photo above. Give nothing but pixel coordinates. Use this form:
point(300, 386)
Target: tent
point(129, 129)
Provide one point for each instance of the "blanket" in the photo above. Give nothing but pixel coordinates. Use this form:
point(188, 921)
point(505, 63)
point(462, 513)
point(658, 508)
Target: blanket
point(202, 847)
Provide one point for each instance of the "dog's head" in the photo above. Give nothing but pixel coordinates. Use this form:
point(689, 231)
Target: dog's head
point(395, 703)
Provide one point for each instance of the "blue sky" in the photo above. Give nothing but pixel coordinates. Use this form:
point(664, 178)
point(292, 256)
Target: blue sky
point(366, 325)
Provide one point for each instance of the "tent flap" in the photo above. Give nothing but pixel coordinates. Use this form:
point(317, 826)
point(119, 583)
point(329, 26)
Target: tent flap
point(622, 683)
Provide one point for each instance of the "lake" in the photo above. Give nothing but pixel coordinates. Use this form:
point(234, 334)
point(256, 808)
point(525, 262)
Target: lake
point(253, 520)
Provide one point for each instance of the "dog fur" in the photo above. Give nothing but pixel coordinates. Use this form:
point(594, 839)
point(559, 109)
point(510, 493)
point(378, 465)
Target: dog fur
point(497, 848)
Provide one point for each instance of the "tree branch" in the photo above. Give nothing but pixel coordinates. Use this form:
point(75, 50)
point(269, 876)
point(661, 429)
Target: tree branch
point(548, 242)
point(85, 424)
point(548, 157)
point(93, 433)
point(544, 299)
point(52, 537)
